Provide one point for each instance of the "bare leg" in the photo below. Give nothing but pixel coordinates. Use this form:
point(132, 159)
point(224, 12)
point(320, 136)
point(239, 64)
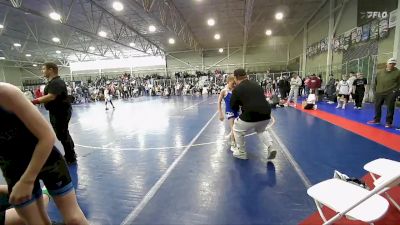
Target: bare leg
point(12, 217)
point(3, 189)
point(70, 210)
point(231, 122)
point(34, 213)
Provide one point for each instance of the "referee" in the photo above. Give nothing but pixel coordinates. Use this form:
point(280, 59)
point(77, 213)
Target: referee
point(56, 101)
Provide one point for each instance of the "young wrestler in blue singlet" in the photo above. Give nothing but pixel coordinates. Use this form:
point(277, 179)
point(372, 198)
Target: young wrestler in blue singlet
point(230, 114)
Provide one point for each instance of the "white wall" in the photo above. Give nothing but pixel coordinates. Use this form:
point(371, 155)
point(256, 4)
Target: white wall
point(15, 75)
point(10, 74)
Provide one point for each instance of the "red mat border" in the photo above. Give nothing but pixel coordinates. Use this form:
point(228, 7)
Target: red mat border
point(382, 137)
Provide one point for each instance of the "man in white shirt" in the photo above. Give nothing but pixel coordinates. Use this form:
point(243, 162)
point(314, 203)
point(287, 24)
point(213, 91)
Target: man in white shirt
point(295, 84)
point(344, 89)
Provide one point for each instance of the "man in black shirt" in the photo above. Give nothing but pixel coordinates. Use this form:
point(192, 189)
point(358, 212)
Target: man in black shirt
point(256, 114)
point(359, 90)
point(56, 101)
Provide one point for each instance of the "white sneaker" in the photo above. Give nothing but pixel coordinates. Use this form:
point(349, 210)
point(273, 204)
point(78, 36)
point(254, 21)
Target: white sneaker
point(343, 106)
point(233, 148)
point(338, 106)
point(355, 107)
point(240, 154)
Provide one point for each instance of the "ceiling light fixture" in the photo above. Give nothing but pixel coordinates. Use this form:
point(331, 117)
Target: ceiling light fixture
point(91, 48)
point(279, 16)
point(152, 28)
point(1, 26)
point(58, 52)
point(102, 34)
point(35, 65)
point(132, 44)
point(28, 55)
point(17, 45)
point(55, 16)
point(171, 41)
point(2, 57)
point(118, 6)
point(217, 36)
point(268, 32)
point(211, 22)
point(55, 39)
point(221, 50)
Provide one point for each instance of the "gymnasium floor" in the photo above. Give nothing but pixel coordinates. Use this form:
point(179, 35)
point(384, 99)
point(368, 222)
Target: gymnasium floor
point(164, 161)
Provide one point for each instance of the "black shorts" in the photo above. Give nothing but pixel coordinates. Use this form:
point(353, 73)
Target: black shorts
point(2, 217)
point(347, 97)
point(309, 106)
point(4, 205)
point(54, 174)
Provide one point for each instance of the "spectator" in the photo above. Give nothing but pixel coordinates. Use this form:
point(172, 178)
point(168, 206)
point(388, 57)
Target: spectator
point(359, 90)
point(295, 84)
point(387, 87)
point(314, 84)
point(330, 89)
point(344, 91)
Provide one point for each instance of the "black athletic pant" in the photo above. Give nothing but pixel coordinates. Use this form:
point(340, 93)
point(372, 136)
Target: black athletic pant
point(390, 100)
point(358, 98)
point(110, 101)
point(282, 91)
point(59, 121)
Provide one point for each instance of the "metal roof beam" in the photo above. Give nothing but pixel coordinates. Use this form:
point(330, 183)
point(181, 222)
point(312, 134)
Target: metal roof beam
point(16, 3)
point(249, 5)
point(171, 19)
point(83, 32)
point(117, 24)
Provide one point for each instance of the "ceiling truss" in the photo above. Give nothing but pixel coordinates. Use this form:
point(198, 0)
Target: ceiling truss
point(76, 39)
point(166, 13)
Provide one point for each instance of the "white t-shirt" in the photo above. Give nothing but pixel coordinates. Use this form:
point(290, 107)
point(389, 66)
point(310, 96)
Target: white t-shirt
point(295, 82)
point(107, 95)
point(69, 90)
point(344, 87)
point(311, 99)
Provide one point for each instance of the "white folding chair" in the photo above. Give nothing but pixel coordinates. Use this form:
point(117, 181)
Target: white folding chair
point(381, 167)
point(353, 201)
